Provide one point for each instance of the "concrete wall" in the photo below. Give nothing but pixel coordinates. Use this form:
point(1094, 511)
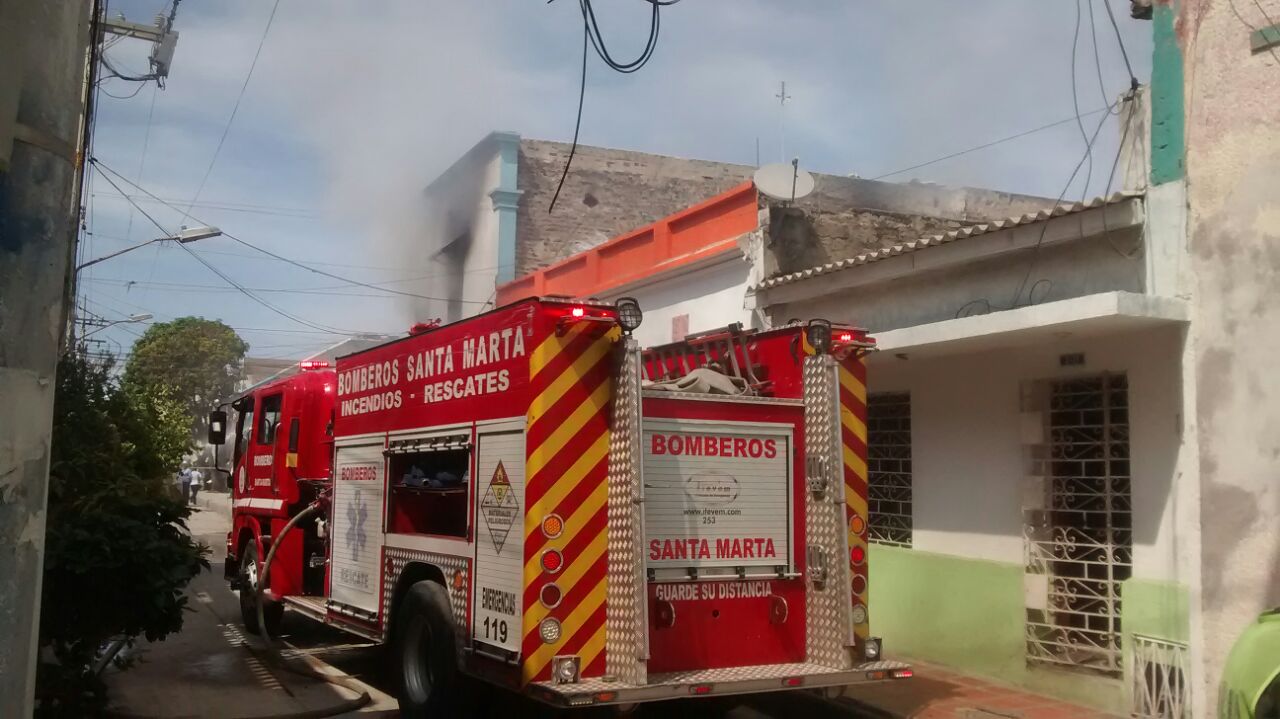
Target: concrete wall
point(1233, 232)
point(607, 193)
point(956, 596)
point(1071, 269)
point(711, 297)
point(967, 487)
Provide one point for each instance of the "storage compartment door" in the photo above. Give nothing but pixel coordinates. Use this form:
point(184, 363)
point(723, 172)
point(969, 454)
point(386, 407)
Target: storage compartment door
point(499, 532)
point(357, 527)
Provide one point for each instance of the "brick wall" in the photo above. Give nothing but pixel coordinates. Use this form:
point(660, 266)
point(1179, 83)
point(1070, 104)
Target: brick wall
point(607, 193)
point(800, 240)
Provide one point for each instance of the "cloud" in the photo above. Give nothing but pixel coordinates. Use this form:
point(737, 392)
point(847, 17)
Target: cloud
point(355, 107)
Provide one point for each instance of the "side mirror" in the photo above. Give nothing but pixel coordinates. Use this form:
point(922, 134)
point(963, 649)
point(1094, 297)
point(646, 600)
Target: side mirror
point(217, 427)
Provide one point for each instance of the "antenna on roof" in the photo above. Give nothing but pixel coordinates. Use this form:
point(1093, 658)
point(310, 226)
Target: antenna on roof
point(784, 181)
point(782, 118)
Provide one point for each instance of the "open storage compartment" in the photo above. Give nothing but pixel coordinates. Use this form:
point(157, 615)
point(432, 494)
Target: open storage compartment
point(428, 480)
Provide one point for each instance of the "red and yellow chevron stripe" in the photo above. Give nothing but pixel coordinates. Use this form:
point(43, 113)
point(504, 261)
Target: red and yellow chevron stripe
point(853, 438)
point(567, 443)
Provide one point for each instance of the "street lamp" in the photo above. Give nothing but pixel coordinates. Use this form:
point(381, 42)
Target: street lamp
point(141, 317)
point(184, 236)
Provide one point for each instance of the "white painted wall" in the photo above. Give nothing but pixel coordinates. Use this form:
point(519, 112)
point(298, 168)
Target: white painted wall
point(1072, 269)
point(712, 297)
point(968, 459)
point(481, 264)
point(457, 208)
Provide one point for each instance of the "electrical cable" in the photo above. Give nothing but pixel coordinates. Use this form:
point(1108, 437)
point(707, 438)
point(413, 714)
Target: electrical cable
point(593, 35)
point(281, 258)
point(124, 97)
point(125, 76)
point(1075, 103)
point(993, 143)
point(1097, 59)
point(249, 293)
point(1040, 241)
point(218, 272)
point(1133, 79)
point(348, 280)
point(1263, 10)
point(234, 109)
point(597, 38)
point(577, 124)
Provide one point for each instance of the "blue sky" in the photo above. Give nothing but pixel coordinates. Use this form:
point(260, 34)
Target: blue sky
point(355, 106)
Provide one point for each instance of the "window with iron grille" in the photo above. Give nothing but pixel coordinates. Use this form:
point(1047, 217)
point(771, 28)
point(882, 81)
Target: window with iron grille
point(889, 468)
point(1083, 545)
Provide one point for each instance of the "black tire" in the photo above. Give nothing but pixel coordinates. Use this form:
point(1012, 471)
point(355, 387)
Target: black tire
point(423, 656)
point(272, 612)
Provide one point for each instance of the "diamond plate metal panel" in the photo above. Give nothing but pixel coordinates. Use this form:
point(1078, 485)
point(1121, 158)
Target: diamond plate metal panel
point(733, 680)
point(829, 626)
point(395, 560)
point(626, 638)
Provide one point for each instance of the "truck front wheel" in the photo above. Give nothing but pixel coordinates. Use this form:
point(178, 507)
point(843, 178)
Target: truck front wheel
point(423, 652)
point(250, 574)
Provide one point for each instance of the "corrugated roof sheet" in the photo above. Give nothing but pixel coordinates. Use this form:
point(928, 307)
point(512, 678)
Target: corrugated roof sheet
point(983, 228)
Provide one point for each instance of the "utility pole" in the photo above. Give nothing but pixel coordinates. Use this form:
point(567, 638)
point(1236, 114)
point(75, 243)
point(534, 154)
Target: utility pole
point(46, 72)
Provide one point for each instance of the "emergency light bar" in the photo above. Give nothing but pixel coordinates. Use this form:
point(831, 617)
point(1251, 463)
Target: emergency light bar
point(312, 364)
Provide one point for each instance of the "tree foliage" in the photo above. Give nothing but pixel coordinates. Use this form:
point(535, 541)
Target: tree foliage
point(117, 553)
point(191, 359)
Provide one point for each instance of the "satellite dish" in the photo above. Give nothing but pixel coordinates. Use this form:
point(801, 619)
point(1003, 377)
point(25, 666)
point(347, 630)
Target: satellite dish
point(784, 181)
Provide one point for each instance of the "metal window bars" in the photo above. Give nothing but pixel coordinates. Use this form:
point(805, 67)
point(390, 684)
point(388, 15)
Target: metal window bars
point(1082, 543)
point(889, 468)
point(1161, 669)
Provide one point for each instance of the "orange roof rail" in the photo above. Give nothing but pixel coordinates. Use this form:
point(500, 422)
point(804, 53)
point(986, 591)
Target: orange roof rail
point(693, 234)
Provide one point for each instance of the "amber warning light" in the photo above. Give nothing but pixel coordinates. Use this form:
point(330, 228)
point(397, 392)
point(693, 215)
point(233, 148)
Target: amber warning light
point(313, 364)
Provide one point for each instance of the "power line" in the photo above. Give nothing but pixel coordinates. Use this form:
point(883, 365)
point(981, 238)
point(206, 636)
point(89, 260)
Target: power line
point(993, 143)
point(1075, 103)
point(1133, 79)
point(181, 287)
point(297, 213)
point(1040, 241)
point(345, 279)
point(249, 293)
point(281, 258)
point(577, 124)
point(234, 109)
point(591, 33)
point(214, 269)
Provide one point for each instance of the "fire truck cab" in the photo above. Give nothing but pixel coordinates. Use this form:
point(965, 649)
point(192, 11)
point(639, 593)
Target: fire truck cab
point(528, 498)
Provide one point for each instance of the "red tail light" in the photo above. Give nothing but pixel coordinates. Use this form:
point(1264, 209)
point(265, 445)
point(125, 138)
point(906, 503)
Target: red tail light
point(578, 312)
point(552, 561)
point(857, 555)
point(845, 337)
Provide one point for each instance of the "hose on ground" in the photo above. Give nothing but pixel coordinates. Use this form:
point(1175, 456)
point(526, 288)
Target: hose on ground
point(272, 655)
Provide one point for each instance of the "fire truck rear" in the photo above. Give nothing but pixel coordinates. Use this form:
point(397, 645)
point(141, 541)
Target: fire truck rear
point(527, 498)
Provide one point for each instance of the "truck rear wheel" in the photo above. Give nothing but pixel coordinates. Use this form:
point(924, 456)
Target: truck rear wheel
point(272, 612)
point(423, 653)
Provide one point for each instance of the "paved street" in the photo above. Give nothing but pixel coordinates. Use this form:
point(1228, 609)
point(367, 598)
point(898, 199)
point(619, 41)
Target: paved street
point(208, 671)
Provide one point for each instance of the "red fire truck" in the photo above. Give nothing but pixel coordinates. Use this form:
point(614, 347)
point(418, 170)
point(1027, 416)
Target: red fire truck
point(528, 498)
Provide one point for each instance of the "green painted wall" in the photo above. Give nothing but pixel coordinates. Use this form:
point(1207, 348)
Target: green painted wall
point(1156, 609)
point(968, 614)
point(1168, 120)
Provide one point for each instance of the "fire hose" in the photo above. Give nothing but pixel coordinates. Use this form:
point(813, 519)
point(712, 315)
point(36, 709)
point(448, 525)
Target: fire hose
point(272, 655)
